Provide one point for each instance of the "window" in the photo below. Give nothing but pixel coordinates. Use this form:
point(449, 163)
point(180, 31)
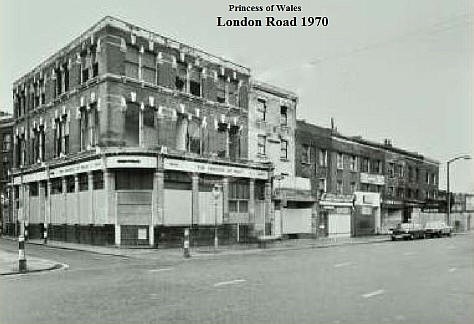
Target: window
point(353, 187)
point(339, 187)
point(353, 163)
point(7, 142)
point(283, 116)
point(417, 174)
point(132, 124)
point(195, 88)
point(195, 82)
point(284, 150)
point(261, 144)
point(259, 190)
point(433, 178)
point(391, 191)
point(70, 184)
point(364, 165)
point(149, 117)
point(400, 193)
point(364, 187)
point(148, 67)
point(233, 93)
point(323, 157)
point(321, 186)
point(181, 78)
point(340, 161)
point(391, 169)
point(427, 179)
point(83, 182)
point(261, 110)
point(34, 189)
point(306, 154)
point(376, 167)
point(239, 194)
point(132, 62)
point(98, 180)
point(56, 186)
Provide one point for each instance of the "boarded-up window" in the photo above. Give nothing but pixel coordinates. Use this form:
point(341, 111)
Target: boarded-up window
point(149, 117)
point(98, 179)
point(148, 67)
point(56, 186)
point(131, 62)
point(132, 124)
point(133, 180)
point(83, 182)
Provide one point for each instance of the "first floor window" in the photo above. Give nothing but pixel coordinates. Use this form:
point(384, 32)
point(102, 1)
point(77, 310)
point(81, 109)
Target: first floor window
point(306, 154)
point(321, 186)
point(261, 145)
point(339, 187)
point(284, 149)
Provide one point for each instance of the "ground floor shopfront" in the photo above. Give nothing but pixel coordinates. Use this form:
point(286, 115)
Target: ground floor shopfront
point(142, 199)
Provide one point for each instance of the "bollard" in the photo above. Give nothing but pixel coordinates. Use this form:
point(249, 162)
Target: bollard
point(45, 234)
point(186, 243)
point(21, 254)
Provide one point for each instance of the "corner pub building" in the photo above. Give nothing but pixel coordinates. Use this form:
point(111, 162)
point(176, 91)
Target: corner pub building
point(127, 137)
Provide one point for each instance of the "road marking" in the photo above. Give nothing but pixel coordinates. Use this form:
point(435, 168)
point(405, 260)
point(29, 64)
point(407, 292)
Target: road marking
point(159, 270)
point(373, 293)
point(452, 269)
point(344, 264)
point(409, 253)
point(232, 282)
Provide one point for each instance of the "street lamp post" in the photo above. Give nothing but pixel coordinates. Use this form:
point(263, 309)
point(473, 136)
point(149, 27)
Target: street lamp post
point(448, 193)
point(216, 193)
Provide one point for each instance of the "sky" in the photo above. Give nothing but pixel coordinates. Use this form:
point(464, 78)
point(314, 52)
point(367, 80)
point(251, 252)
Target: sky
point(382, 69)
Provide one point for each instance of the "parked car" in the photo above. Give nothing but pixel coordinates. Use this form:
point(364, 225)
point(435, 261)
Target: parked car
point(438, 229)
point(408, 231)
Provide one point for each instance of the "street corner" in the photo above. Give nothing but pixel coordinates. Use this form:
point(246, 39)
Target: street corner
point(9, 264)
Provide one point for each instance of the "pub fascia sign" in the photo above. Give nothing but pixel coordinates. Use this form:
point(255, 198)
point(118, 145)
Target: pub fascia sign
point(199, 167)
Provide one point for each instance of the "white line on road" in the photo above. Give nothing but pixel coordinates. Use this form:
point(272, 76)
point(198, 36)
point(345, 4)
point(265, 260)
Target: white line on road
point(344, 264)
point(159, 270)
point(452, 269)
point(409, 253)
point(232, 282)
point(373, 293)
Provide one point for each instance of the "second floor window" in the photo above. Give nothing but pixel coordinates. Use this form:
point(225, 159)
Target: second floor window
point(283, 116)
point(340, 161)
point(353, 163)
point(323, 157)
point(321, 186)
point(261, 110)
point(306, 154)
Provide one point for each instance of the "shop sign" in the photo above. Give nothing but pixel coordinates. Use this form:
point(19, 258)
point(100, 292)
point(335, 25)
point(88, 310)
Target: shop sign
point(337, 198)
point(76, 168)
point(131, 161)
point(199, 167)
point(376, 179)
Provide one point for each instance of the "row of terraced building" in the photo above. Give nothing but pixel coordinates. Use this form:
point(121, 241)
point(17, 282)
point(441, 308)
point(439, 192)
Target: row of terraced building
point(127, 137)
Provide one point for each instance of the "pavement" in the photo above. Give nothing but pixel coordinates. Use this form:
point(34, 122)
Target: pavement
point(9, 260)
point(9, 264)
point(420, 281)
point(206, 251)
